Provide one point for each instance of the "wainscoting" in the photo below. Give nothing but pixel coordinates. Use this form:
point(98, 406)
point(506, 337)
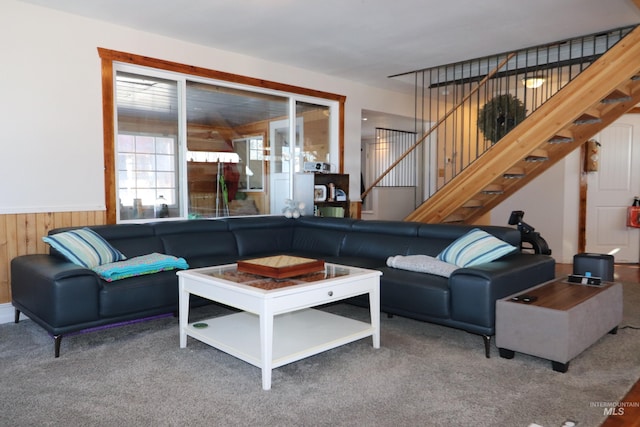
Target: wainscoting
point(21, 234)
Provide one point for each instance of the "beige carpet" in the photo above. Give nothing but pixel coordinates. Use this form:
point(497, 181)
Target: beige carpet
point(424, 375)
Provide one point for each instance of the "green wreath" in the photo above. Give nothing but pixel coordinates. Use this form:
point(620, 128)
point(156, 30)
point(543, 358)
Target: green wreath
point(498, 116)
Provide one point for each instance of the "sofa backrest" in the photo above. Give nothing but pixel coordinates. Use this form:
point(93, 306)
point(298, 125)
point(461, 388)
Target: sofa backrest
point(447, 233)
point(377, 239)
point(197, 240)
point(314, 235)
point(261, 234)
point(213, 241)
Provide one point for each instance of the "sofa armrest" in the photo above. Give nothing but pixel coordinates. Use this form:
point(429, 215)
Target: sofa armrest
point(54, 292)
point(474, 290)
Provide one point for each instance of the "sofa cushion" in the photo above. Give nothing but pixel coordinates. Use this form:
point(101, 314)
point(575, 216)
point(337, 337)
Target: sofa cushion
point(263, 241)
point(194, 245)
point(130, 239)
point(139, 294)
point(395, 228)
point(84, 247)
point(325, 242)
point(475, 247)
point(410, 294)
point(377, 246)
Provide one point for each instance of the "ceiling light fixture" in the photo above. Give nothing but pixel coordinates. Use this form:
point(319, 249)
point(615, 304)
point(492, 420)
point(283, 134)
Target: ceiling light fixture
point(533, 82)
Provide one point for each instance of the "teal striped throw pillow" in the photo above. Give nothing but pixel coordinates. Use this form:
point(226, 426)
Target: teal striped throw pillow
point(84, 247)
point(475, 247)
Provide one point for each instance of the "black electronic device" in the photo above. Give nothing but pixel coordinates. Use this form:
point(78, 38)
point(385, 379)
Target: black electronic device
point(584, 280)
point(316, 167)
point(526, 298)
point(531, 239)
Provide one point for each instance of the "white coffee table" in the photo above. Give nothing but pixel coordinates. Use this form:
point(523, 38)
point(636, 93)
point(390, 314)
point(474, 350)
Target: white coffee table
point(278, 326)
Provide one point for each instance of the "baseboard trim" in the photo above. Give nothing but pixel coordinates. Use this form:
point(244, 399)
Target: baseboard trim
point(6, 313)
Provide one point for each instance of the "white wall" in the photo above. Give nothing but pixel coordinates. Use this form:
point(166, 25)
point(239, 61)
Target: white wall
point(390, 203)
point(51, 102)
point(551, 204)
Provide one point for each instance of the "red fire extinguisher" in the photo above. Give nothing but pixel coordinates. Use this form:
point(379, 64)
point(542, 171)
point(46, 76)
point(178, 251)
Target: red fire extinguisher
point(633, 213)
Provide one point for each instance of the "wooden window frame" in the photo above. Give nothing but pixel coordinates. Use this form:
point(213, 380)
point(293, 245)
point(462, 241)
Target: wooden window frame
point(108, 57)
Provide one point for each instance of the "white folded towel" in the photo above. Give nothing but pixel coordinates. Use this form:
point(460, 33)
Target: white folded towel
point(422, 264)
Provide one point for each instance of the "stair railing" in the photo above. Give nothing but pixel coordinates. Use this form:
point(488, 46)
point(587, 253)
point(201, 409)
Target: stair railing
point(493, 102)
point(438, 123)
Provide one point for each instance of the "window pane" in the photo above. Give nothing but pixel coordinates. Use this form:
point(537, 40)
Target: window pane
point(145, 144)
point(145, 162)
point(165, 146)
point(126, 161)
point(126, 143)
point(316, 143)
point(146, 180)
point(217, 119)
point(166, 180)
point(165, 163)
point(147, 119)
point(251, 167)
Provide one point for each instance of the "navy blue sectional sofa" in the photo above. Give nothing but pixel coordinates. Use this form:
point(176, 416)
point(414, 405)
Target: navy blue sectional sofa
point(63, 297)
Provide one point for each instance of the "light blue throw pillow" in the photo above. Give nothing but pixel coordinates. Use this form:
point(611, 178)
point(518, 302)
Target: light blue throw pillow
point(475, 247)
point(84, 247)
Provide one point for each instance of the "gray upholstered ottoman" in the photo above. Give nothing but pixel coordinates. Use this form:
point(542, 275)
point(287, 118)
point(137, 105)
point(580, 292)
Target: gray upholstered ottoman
point(559, 320)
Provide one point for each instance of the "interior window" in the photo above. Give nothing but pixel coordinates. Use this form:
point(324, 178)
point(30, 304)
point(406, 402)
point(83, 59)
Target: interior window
point(187, 142)
point(223, 120)
point(147, 147)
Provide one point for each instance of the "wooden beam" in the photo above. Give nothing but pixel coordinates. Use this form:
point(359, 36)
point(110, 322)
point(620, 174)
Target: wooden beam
point(130, 58)
point(108, 136)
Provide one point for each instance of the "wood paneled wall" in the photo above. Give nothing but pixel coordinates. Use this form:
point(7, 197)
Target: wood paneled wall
point(21, 234)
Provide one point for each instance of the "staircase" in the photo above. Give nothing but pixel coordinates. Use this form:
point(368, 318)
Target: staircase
point(603, 92)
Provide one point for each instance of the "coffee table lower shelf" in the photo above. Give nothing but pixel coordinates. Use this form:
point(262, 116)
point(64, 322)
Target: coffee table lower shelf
point(296, 335)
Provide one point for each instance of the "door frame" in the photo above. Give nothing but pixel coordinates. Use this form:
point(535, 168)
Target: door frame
point(582, 210)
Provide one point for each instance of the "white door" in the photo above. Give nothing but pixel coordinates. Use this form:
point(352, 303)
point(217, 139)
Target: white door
point(611, 190)
point(284, 161)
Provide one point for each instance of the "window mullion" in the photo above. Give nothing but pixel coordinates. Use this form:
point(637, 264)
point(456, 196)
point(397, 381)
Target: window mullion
point(182, 148)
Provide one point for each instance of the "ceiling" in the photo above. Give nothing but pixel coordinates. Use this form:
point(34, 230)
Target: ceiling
point(362, 40)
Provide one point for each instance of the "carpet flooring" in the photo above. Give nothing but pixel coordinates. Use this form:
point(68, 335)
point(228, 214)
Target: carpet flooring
point(423, 375)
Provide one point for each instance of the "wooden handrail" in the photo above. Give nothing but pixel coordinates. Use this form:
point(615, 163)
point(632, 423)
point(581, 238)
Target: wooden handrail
point(438, 123)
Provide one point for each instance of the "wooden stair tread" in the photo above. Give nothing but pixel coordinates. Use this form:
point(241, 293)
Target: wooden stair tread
point(454, 218)
point(473, 203)
point(559, 139)
point(616, 96)
point(588, 117)
point(538, 155)
point(493, 189)
point(515, 172)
